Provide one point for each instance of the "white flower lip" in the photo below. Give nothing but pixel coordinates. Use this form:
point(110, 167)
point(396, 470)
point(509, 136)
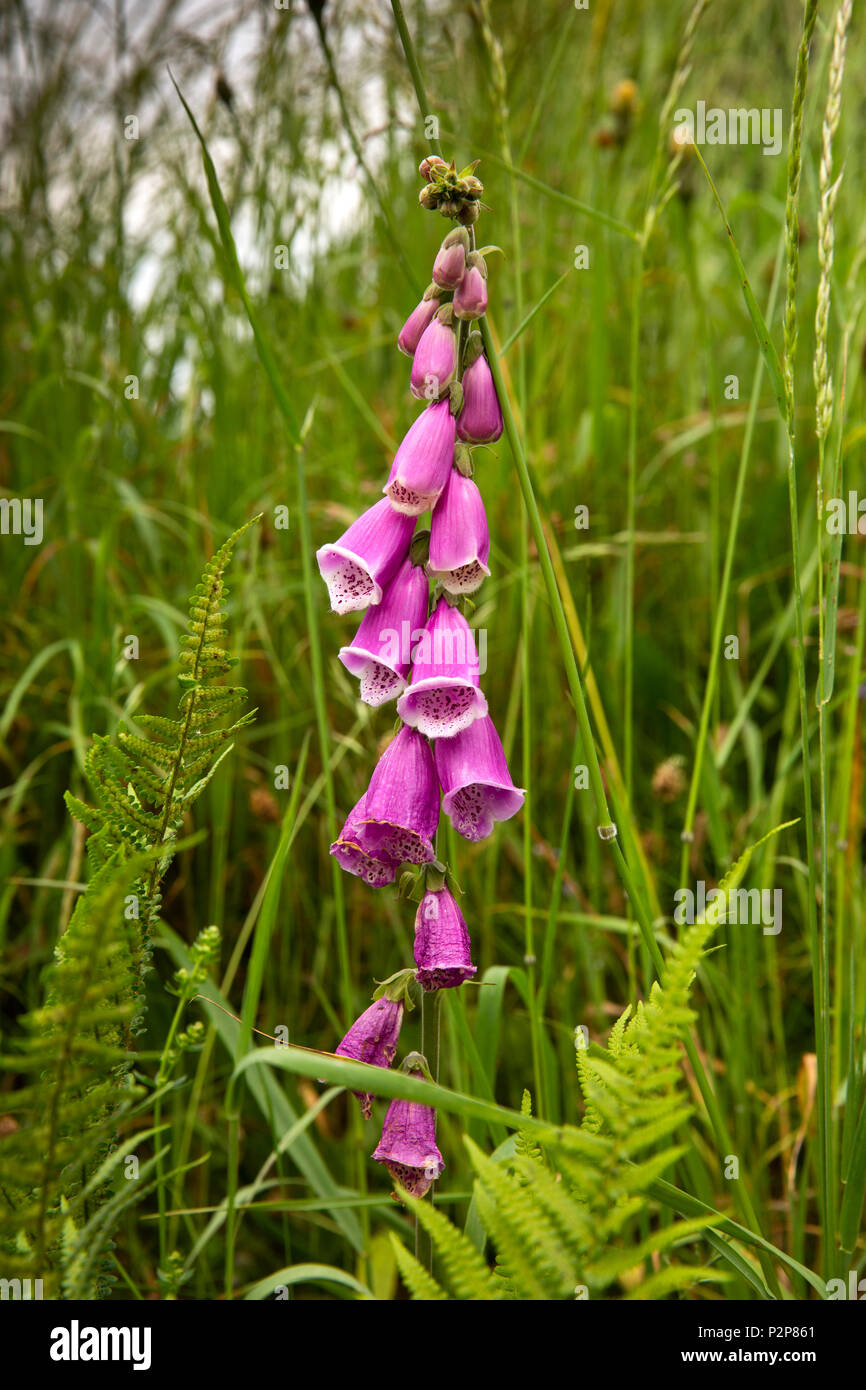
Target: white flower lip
point(351, 586)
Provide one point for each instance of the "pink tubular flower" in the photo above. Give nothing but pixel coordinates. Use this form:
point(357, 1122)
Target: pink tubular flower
point(401, 812)
point(444, 696)
point(422, 462)
point(477, 785)
point(470, 297)
point(459, 538)
point(419, 320)
point(381, 651)
point(435, 362)
point(375, 870)
point(450, 262)
point(408, 1146)
point(480, 420)
point(365, 558)
point(443, 952)
point(373, 1038)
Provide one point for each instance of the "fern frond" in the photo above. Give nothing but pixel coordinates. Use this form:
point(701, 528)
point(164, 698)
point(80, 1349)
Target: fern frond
point(88, 816)
point(616, 1041)
point(524, 1143)
point(530, 1230)
point(611, 1265)
point(57, 1207)
point(465, 1270)
point(75, 1042)
point(164, 762)
point(563, 1210)
point(421, 1285)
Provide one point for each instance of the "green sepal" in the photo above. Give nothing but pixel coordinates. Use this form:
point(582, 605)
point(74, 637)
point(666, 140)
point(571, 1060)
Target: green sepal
point(416, 1062)
point(396, 988)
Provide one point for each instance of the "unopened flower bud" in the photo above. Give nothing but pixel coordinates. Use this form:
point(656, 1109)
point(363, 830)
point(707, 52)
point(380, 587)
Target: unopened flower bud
point(450, 262)
point(431, 164)
point(435, 360)
point(419, 319)
point(480, 420)
point(470, 297)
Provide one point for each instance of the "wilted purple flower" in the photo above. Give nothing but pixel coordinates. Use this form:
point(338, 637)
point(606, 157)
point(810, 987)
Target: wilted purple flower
point(351, 856)
point(416, 323)
point(444, 696)
point(443, 952)
point(480, 420)
point(435, 360)
point(459, 538)
point(373, 1038)
point(422, 462)
point(365, 558)
point(450, 262)
point(408, 1146)
point(402, 803)
point(470, 296)
point(477, 785)
point(380, 654)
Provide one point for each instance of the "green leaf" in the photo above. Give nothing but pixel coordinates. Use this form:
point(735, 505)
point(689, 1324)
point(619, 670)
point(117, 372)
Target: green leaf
point(271, 1098)
point(308, 1274)
point(762, 332)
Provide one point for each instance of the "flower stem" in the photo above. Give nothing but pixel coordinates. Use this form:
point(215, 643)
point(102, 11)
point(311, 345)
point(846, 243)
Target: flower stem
point(415, 72)
point(387, 219)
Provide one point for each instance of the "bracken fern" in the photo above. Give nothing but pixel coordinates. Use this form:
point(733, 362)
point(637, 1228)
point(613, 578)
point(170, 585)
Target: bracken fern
point(144, 784)
point(562, 1209)
point(58, 1202)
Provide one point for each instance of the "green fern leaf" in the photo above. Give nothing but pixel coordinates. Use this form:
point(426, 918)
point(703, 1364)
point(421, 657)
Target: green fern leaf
point(465, 1270)
point(421, 1285)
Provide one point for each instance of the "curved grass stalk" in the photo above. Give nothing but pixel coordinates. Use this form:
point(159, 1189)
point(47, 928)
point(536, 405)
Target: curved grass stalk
point(385, 213)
